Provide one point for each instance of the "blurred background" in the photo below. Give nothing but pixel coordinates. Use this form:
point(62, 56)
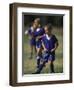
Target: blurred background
point(29, 65)
point(55, 20)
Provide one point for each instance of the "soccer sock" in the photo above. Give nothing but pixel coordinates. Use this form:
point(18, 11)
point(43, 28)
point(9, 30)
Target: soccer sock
point(40, 68)
point(38, 61)
point(52, 68)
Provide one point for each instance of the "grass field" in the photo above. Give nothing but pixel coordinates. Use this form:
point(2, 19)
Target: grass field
point(30, 64)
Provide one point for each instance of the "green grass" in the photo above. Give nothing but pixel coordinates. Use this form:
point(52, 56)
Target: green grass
point(30, 64)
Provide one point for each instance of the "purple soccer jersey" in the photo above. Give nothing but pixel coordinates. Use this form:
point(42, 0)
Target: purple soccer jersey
point(30, 31)
point(39, 32)
point(32, 39)
point(49, 43)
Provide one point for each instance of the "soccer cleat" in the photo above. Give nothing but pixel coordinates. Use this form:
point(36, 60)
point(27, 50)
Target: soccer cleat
point(36, 72)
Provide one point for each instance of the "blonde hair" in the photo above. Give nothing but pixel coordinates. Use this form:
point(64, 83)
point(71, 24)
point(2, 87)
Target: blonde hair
point(38, 20)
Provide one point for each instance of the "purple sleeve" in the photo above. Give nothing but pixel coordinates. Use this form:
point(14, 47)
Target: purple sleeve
point(43, 39)
point(29, 31)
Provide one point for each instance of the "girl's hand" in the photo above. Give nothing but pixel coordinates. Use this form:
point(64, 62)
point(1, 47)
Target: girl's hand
point(45, 49)
point(52, 50)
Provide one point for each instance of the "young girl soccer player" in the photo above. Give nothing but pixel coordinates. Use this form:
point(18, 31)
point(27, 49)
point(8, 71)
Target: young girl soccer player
point(50, 44)
point(38, 33)
point(30, 32)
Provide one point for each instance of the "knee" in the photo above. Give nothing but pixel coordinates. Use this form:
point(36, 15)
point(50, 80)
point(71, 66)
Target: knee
point(50, 62)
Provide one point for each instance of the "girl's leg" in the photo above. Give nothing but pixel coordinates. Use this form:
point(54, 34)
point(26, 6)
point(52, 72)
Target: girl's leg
point(38, 57)
point(52, 66)
point(34, 48)
point(41, 66)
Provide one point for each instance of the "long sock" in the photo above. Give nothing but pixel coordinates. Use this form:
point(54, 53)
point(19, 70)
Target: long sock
point(40, 68)
point(52, 68)
point(38, 62)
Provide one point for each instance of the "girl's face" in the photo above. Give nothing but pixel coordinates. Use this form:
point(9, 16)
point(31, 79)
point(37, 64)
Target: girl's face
point(34, 26)
point(47, 31)
point(36, 23)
